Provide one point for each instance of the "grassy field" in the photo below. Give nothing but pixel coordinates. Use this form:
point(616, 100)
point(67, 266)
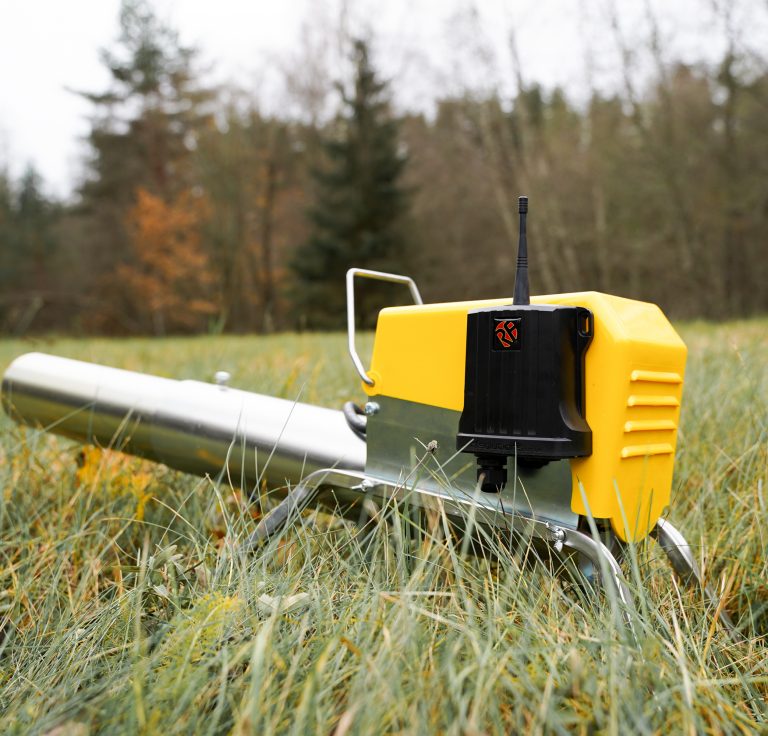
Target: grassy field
point(127, 603)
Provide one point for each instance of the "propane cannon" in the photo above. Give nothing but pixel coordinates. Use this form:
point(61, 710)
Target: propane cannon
point(552, 418)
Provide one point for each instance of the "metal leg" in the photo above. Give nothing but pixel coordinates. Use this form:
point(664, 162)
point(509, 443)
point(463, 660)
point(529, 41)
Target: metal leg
point(679, 553)
point(375, 488)
point(605, 562)
point(298, 499)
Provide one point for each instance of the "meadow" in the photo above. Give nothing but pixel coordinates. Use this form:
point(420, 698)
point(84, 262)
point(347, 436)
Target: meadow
point(129, 604)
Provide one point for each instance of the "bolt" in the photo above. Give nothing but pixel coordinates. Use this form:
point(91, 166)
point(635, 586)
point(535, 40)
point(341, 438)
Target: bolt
point(556, 534)
point(221, 378)
point(371, 408)
point(556, 537)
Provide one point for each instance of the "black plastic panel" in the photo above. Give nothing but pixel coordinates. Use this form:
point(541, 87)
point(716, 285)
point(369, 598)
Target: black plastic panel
point(524, 383)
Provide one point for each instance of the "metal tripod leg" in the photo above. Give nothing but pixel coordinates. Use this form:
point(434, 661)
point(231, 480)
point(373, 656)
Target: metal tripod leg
point(558, 537)
point(611, 575)
point(678, 552)
point(298, 499)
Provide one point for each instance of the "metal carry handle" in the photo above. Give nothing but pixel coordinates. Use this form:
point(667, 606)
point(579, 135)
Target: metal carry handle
point(376, 276)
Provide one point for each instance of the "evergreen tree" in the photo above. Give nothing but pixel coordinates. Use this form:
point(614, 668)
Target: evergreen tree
point(147, 122)
point(35, 217)
point(360, 203)
point(9, 257)
point(28, 245)
point(143, 137)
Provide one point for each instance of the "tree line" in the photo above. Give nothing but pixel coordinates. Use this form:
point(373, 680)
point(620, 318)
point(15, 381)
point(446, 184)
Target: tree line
point(201, 212)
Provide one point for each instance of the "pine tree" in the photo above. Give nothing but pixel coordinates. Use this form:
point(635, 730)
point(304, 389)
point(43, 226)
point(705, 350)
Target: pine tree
point(9, 256)
point(28, 245)
point(143, 137)
point(358, 213)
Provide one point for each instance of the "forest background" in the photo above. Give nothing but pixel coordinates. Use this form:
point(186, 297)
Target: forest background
point(201, 209)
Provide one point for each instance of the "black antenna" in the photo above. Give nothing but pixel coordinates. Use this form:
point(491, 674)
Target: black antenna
point(522, 295)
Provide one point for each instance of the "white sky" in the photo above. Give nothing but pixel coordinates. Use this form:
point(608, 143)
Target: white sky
point(427, 47)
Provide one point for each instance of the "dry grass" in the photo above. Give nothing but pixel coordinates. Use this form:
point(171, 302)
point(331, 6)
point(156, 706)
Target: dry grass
point(127, 604)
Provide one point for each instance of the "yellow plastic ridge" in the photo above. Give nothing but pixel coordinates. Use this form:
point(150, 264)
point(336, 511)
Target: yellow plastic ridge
point(645, 450)
point(656, 376)
point(649, 425)
point(652, 401)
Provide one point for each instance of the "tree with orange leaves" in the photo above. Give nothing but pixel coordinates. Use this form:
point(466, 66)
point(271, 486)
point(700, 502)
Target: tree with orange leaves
point(171, 285)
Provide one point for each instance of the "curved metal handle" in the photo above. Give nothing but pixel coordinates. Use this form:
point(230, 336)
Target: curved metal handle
point(376, 276)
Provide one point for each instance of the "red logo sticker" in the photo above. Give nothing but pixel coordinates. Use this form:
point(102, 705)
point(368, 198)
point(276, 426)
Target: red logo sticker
point(507, 333)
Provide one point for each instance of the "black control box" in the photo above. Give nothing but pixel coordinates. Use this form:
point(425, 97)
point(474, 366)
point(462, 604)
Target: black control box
point(524, 387)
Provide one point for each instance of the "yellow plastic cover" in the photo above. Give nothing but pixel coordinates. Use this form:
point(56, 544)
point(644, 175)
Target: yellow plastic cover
point(635, 368)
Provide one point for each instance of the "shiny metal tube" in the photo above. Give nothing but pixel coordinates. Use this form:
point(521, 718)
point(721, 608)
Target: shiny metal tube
point(192, 426)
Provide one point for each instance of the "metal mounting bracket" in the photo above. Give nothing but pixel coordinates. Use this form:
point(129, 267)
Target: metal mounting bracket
point(557, 537)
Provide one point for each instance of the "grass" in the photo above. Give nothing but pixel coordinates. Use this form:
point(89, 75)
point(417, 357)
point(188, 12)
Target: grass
point(128, 605)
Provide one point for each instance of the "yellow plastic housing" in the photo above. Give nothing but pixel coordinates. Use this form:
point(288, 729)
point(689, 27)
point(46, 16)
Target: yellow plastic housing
point(635, 368)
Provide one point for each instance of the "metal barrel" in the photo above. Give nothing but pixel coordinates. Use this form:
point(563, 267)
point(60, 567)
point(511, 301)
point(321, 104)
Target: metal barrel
point(192, 426)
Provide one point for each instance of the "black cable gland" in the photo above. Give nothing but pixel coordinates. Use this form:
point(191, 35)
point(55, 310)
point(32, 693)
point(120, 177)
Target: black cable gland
point(492, 473)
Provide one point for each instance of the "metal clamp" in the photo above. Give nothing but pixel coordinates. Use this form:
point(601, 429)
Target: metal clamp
point(376, 276)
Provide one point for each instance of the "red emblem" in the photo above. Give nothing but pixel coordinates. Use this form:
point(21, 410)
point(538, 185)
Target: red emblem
point(506, 332)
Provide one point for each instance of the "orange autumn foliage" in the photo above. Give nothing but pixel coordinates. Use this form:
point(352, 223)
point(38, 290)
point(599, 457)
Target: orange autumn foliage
point(171, 283)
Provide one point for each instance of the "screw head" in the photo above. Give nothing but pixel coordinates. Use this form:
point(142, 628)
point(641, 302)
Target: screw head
point(221, 378)
point(556, 534)
point(371, 408)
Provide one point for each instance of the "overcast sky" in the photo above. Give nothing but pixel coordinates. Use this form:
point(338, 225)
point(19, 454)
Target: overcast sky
point(427, 47)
